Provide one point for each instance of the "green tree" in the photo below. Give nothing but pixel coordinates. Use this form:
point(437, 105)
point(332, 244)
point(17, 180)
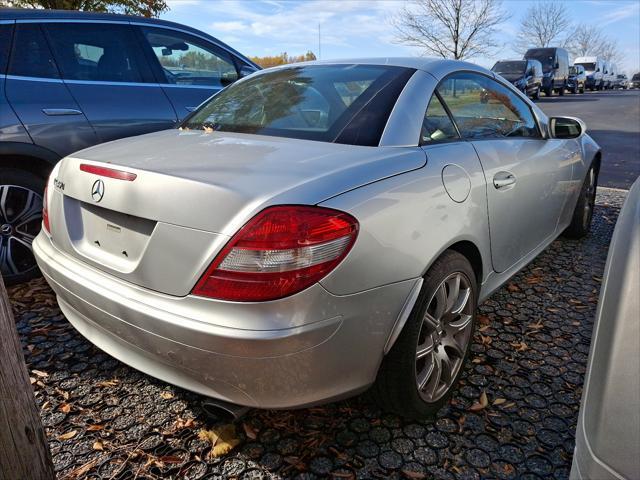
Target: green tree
point(144, 8)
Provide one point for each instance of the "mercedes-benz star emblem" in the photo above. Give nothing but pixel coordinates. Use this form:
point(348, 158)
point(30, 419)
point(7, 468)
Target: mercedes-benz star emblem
point(97, 191)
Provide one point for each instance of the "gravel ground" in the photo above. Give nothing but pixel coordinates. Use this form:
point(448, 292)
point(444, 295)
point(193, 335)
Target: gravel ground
point(106, 420)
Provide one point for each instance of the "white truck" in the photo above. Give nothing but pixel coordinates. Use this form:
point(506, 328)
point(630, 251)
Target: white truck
point(594, 68)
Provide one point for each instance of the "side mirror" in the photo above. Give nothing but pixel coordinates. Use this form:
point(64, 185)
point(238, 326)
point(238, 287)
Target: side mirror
point(246, 70)
point(556, 65)
point(566, 127)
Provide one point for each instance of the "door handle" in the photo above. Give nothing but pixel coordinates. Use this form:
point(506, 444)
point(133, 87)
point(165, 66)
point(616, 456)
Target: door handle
point(60, 111)
point(503, 179)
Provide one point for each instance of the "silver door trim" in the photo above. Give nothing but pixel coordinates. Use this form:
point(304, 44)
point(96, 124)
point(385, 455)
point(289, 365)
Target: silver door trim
point(112, 84)
point(202, 87)
point(34, 79)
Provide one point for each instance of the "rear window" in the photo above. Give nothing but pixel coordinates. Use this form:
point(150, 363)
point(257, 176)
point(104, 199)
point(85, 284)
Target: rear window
point(98, 52)
point(316, 102)
point(510, 67)
point(30, 55)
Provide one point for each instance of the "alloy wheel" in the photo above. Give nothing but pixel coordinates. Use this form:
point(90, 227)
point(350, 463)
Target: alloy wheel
point(20, 220)
point(444, 335)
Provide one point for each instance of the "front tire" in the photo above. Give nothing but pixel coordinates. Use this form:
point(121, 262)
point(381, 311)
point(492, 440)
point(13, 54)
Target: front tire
point(20, 221)
point(583, 213)
point(424, 365)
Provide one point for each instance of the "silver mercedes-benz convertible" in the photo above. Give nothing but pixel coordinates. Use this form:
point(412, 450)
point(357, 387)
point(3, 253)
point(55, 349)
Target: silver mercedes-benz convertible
point(314, 230)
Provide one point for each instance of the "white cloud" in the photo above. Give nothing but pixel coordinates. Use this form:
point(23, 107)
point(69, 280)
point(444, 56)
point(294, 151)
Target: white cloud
point(232, 26)
point(629, 10)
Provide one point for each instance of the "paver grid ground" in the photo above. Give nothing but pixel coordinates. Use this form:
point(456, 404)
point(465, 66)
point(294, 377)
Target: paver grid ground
point(106, 420)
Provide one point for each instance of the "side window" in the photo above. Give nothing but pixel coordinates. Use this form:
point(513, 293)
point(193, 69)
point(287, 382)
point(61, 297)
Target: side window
point(482, 108)
point(98, 52)
point(437, 126)
point(30, 56)
point(187, 60)
point(6, 32)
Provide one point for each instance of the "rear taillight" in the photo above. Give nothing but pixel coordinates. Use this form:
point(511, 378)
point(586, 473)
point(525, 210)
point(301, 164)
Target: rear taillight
point(279, 252)
point(45, 211)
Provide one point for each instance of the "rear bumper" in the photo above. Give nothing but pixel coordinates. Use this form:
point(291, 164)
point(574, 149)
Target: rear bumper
point(330, 348)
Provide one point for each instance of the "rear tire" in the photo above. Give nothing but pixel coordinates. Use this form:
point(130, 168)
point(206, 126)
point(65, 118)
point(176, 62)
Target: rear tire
point(583, 213)
point(549, 92)
point(20, 221)
point(561, 91)
point(434, 344)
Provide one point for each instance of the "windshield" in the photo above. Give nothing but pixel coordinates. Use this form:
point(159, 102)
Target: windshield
point(636, 77)
point(510, 67)
point(316, 102)
point(588, 66)
point(574, 70)
point(546, 56)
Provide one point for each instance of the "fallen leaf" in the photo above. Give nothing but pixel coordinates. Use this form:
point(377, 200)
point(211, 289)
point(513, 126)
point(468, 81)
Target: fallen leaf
point(498, 401)
point(109, 383)
point(171, 459)
point(481, 404)
point(520, 346)
point(94, 428)
point(97, 445)
point(166, 395)
point(68, 435)
point(512, 287)
point(65, 408)
point(412, 474)
point(40, 373)
point(249, 431)
point(223, 439)
point(32, 380)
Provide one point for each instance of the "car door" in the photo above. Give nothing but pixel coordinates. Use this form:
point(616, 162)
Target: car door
point(189, 68)
point(106, 71)
point(528, 177)
point(36, 93)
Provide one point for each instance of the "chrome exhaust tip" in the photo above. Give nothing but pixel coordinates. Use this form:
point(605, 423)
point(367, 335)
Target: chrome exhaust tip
point(221, 411)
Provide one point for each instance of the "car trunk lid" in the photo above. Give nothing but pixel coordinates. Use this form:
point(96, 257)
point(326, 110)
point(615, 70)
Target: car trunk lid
point(191, 192)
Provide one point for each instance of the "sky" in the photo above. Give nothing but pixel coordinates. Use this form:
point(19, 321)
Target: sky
point(363, 28)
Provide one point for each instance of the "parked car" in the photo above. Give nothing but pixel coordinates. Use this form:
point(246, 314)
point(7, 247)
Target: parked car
point(290, 244)
point(622, 81)
point(608, 432)
point(635, 81)
point(555, 68)
point(70, 80)
point(525, 75)
point(577, 79)
point(594, 68)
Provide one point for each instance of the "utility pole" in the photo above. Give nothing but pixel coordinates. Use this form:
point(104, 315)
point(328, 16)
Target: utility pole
point(24, 452)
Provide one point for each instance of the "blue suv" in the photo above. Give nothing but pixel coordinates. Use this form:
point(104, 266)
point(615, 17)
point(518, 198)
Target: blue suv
point(69, 80)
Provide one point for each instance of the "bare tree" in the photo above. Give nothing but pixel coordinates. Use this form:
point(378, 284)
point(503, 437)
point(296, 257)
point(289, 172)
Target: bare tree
point(587, 40)
point(450, 28)
point(544, 24)
point(609, 50)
